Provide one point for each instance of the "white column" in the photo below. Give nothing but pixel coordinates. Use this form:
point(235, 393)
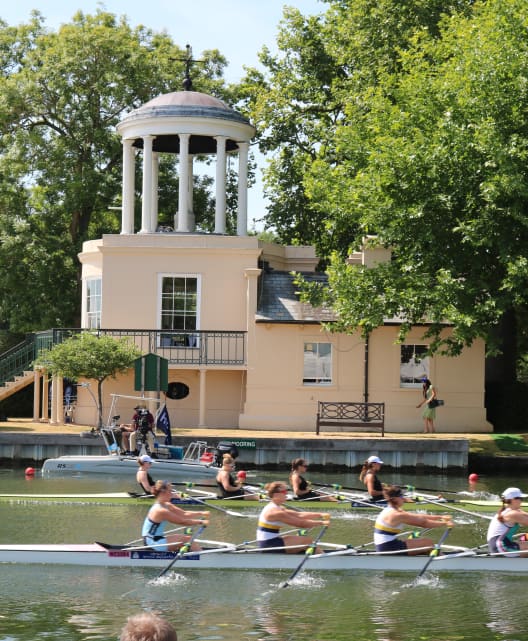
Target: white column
point(60, 400)
point(243, 149)
point(45, 398)
point(220, 206)
point(127, 197)
point(54, 393)
point(36, 394)
point(154, 198)
point(203, 393)
point(146, 195)
point(192, 224)
point(183, 190)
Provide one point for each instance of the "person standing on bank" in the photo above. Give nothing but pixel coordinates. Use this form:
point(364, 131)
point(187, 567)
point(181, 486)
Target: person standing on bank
point(391, 521)
point(429, 413)
point(368, 476)
point(301, 487)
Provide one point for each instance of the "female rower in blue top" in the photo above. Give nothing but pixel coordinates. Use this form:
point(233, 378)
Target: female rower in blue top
point(391, 521)
point(163, 512)
point(505, 524)
point(275, 515)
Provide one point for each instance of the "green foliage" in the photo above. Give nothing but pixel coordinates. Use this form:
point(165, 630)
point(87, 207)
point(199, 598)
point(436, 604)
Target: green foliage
point(417, 138)
point(61, 95)
point(89, 356)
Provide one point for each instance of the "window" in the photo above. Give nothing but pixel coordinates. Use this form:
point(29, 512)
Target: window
point(179, 309)
point(414, 364)
point(317, 364)
point(93, 303)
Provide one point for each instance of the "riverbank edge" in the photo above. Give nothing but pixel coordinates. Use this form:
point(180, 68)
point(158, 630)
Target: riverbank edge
point(482, 452)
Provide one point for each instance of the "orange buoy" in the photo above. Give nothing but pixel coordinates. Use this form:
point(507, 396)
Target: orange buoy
point(241, 475)
point(473, 478)
point(30, 471)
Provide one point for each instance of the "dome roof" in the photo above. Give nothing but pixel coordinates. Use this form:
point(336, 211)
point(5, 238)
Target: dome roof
point(186, 103)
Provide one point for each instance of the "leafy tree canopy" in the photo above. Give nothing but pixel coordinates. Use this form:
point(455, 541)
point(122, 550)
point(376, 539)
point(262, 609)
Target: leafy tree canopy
point(61, 95)
point(425, 153)
point(91, 357)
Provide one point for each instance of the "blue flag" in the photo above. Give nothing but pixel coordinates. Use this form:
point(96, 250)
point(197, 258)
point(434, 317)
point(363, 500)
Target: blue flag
point(163, 424)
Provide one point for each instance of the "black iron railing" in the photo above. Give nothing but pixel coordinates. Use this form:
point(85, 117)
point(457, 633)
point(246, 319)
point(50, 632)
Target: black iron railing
point(195, 347)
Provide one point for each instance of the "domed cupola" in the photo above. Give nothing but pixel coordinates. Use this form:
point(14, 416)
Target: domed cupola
point(187, 123)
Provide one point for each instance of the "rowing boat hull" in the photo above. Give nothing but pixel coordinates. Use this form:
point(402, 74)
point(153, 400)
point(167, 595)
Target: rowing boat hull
point(124, 498)
point(96, 555)
point(109, 464)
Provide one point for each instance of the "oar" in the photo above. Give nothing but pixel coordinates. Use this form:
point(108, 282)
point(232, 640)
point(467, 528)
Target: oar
point(448, 506)
point(309, 551)
point(434, 552)
point(412, 488)
point(337, 487)
point(183, 550)
point(176, 529)
point(221, 509)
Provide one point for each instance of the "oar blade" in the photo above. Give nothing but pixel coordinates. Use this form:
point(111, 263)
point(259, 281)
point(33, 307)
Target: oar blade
point(308, 553)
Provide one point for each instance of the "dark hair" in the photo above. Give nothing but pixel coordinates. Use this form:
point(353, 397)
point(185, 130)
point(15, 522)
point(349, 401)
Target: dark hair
point(391, 492)
point(295, 465)
point(425, 386)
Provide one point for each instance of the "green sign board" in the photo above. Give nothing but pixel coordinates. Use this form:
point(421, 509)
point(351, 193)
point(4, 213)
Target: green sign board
point(151, 373)
point(245, 444)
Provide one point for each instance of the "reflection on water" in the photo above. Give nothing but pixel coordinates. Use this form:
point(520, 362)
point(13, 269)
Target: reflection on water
point(91, 604)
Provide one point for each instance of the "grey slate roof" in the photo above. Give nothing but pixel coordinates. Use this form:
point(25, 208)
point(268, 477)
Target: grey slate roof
point(279, 303)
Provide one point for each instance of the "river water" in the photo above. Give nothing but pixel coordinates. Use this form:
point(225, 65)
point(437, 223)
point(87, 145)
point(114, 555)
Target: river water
point(89, 604)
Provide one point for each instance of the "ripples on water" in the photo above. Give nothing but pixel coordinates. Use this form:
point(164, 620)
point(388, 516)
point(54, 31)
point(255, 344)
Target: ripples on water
point(90, 604)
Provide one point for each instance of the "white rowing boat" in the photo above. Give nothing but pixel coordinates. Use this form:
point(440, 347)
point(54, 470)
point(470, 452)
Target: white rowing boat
point(130, 498)
point(96, 554)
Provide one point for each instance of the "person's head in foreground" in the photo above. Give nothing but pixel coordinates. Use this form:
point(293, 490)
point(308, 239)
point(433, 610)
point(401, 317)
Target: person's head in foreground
point(147, 626)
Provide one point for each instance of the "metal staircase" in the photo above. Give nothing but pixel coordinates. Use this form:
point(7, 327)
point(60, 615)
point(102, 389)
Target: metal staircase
point(16, 367)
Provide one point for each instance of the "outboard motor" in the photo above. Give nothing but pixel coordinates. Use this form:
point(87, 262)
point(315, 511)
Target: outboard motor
point(225, 447)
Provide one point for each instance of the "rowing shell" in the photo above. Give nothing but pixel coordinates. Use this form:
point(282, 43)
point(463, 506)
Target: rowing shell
point(126, 498)
point(99, 555)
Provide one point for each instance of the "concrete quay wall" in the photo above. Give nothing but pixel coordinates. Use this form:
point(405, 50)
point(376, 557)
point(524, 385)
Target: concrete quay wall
point(268, 453)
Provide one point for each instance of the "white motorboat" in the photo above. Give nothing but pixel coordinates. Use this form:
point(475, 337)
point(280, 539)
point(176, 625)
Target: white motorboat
point(229, 558)
point(199, 459)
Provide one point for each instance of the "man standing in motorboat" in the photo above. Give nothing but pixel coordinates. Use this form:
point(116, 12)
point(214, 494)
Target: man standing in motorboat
point(142, 425)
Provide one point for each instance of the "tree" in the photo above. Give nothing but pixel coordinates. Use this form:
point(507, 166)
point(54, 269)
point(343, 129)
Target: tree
point(61, 95)
point(89, 356)
point(326, 69)
point(429, 159)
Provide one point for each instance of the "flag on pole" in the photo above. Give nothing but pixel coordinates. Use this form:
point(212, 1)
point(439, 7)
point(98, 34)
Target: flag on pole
point(163, 423)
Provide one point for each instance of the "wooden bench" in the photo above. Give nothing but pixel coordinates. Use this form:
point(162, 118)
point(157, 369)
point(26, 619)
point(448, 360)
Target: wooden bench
point(365, 416)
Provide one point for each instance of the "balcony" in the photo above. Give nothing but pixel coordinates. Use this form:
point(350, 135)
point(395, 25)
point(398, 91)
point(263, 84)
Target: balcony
point(196, 347)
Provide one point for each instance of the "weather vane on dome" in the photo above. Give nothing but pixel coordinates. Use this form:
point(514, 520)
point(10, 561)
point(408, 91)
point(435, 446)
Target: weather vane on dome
point(189, 61)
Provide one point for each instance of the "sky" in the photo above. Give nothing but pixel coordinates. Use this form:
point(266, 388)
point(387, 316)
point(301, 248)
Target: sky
point(237, 28)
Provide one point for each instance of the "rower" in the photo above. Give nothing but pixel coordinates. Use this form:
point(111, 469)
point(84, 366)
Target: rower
point(505, 524)
point(145, 480)
point(163, 512)
point(390, 522)
point(275, 515)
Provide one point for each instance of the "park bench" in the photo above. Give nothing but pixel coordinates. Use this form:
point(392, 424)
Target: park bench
point(361, 416)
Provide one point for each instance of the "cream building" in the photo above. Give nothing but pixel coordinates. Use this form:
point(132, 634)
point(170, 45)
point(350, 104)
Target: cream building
point(242, 350)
